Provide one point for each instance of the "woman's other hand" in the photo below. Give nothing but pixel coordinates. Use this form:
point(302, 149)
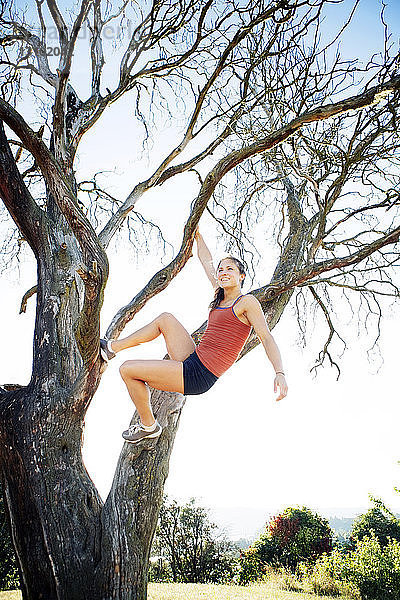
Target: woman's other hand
point(280, 382)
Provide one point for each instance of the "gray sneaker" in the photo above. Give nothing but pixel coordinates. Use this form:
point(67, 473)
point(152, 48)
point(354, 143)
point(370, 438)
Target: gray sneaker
point(106, 353)
point(135, 433)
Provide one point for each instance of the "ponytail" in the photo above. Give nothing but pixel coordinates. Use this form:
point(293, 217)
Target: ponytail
point(218, 296)
point(219, 292)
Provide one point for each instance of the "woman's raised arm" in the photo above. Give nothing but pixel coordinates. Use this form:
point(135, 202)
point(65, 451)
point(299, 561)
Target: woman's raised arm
point(206, 259)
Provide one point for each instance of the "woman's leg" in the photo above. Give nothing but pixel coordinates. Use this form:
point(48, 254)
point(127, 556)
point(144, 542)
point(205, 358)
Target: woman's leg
point(164, 375)
point(178, 341)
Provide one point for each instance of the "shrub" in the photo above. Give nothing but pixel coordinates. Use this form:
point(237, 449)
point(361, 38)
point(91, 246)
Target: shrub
point(251, 566)
point(293, 536)
point(289, 581)
point(383, 526)
point(375, 570)
point(299, 535)
point(369, 572)
point(323, 577)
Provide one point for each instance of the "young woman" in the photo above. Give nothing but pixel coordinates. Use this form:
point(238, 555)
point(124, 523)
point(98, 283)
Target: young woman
point(193, 370)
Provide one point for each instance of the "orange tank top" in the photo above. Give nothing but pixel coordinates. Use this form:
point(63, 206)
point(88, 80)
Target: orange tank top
point(223, 339)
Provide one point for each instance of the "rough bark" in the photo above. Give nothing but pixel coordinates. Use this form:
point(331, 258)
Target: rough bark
point(53, 505)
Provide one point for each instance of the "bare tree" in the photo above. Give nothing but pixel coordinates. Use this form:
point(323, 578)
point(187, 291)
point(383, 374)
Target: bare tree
point(263, 96)
point(190, 546)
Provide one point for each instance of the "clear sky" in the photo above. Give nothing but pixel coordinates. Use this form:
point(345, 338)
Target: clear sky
point(327, 445)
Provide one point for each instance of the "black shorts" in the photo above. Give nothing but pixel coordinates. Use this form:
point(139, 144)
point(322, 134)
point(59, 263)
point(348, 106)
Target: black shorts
point(197, 379)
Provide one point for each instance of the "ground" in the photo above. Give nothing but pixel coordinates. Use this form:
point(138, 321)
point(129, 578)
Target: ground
point(198, 591)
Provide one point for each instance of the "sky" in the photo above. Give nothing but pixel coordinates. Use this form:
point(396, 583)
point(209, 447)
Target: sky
point(328, 445)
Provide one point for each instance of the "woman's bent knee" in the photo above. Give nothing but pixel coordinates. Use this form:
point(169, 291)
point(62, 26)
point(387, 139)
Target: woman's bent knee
point(124, 370)
point(165, 317)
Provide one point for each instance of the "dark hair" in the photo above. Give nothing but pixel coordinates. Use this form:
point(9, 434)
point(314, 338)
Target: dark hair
point(219, 292)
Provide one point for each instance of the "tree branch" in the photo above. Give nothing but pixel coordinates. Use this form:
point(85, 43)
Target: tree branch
point(58, 186)
point(39, 48)
point(96, 49)
point(29, 218)
point(159, 177)
point(161, 279)
point(26, 297)
point(94, 107)
point(61, 141)
point(324, 352)
point(61, 27)
point(310, 271)
point(366, 98)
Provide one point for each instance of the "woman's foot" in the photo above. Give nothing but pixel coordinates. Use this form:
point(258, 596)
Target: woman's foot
point(106, 351)
point(138, 432)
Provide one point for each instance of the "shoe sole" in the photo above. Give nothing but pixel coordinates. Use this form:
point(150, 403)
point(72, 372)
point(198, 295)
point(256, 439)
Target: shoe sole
point(152, 436)
point(103, 355)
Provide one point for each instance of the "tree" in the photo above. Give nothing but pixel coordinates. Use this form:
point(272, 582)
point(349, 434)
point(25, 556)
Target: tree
point(268, 105)
point(295, 535)
point(190, 547)
point(300, 534)
point(379, 522)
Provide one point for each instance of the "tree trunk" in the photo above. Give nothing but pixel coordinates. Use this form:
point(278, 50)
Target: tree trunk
point(130, 514)
point(52, 503)
point(68, 546)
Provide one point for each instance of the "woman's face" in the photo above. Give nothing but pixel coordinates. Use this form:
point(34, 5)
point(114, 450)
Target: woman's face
point(228, 274)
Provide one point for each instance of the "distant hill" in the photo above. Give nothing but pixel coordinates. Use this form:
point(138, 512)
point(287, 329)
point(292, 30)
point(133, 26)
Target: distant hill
point(244, 524)
point(341, 526)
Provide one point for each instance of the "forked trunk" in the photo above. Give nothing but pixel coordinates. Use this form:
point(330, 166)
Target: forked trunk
point(68, 545)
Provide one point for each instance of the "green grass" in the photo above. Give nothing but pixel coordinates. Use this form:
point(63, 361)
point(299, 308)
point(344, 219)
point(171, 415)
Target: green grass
point(199, 591)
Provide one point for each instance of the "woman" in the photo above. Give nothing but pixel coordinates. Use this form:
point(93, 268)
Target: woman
point(193, 370)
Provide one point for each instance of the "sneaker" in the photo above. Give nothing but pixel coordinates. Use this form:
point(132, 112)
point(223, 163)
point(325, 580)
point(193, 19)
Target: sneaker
point(135, 433)
point(105, 350)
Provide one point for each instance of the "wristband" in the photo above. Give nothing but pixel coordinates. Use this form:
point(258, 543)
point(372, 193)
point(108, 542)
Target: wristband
point(279, 373)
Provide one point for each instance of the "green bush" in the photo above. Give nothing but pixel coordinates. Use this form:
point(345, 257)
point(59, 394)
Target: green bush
point(375, 570)
point(369, 572)
point(299, 534)
point(251, 566)
point(323, 577)
point(293, 536)
point(378, 520)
